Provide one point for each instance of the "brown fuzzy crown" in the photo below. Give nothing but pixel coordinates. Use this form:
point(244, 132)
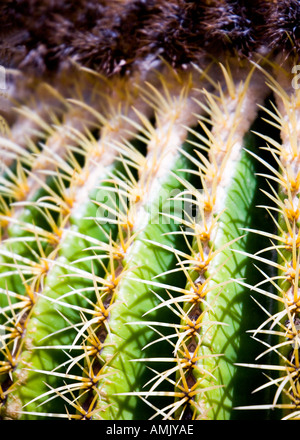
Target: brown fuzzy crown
point(113, 36)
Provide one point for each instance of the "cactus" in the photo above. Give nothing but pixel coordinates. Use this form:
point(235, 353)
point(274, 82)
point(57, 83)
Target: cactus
point(149, 210)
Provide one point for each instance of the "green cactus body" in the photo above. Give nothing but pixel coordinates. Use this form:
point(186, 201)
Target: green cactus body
point(220, 324)
point(147, 197)
point(43, 319)
point(46, 320)
point(279, 332)
point(86, 338)
point(47, 277)
point(39, 209)
point(125, 342)
point(208, 343)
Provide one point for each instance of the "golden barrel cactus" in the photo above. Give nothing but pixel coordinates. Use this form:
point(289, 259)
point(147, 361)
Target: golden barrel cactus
point(149, 209)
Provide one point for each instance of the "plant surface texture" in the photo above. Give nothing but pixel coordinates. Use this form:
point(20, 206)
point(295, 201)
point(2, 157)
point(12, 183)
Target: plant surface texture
point(149, 210)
